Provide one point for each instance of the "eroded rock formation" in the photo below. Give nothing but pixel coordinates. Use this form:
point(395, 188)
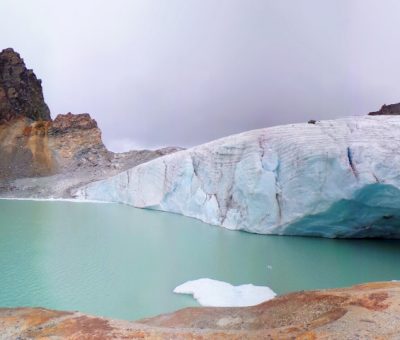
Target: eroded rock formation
point(368, 311)
point(49, 158)
point(69, 122)
point(77, 140)
point(31, 148)
point(25, 149)
point(44, 158)
point(20, 91)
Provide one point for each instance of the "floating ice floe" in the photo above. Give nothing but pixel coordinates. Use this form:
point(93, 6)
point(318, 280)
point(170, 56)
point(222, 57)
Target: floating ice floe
point(215, 293)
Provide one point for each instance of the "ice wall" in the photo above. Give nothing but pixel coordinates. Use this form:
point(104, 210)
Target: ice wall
point(337, 178)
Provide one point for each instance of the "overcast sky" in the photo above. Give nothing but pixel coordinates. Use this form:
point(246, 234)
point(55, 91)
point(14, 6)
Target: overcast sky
point(183, 72)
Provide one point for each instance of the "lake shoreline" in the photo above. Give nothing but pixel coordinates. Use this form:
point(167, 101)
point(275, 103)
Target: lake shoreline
point(365, 311)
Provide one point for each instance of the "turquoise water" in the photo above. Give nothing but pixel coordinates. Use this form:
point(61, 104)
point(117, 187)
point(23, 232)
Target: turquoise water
point(121, 262)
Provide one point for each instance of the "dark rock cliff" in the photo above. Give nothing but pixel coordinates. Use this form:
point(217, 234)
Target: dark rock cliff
point(41, 157)
point(20, 91)
point(391, 109)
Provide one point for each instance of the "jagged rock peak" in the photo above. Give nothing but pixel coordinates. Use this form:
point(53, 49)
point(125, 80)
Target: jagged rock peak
point(67, 122)
point(391, 109)
point(21, 92)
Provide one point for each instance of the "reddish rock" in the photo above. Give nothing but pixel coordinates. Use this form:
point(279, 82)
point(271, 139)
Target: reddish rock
point(42, 148)
point(369, 311)
point(68, 122)
point(25, 150)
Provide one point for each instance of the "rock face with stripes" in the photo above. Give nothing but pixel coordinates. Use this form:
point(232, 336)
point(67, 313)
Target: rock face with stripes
point(336, 178)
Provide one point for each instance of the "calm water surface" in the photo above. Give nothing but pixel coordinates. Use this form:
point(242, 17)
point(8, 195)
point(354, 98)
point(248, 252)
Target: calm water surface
point(121, 262)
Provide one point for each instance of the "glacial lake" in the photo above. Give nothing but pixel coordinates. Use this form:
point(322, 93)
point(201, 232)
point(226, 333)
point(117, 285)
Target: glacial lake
point(117, 261)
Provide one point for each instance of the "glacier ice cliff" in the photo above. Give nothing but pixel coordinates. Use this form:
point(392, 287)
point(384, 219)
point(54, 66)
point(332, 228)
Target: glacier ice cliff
point(334, 178)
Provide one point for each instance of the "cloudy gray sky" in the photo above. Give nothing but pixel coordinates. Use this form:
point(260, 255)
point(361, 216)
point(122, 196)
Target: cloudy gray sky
point(183, 72)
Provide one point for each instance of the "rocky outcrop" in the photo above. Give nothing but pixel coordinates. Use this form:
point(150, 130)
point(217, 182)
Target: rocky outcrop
point(392, 109)
point(44, 158)
point(50, 158)
point(42, 148)
point(335, 178)
point(24, 150)
point(369, 311)
point(31, 144)
point(76, 140)
point(20, 91)
point(69, 122)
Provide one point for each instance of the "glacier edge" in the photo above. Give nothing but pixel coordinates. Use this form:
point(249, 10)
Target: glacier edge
point(281, 180)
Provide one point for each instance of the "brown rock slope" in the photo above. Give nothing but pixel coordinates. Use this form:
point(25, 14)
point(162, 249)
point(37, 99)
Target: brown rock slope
point(40, 157)
point(369, 311)
point(50, 158)
point(41, 148)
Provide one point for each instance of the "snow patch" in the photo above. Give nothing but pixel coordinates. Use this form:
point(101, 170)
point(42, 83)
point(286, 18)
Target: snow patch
point(215, 293)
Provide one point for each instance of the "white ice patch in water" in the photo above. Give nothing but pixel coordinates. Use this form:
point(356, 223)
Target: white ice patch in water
point(215, 293)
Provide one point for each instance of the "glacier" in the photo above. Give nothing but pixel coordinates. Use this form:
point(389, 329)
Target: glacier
point(334, 178)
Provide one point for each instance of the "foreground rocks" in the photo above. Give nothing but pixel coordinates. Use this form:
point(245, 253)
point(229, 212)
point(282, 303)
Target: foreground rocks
point(368, 311)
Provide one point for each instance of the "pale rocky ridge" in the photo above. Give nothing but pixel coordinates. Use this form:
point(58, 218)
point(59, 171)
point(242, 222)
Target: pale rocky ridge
point(334, 178)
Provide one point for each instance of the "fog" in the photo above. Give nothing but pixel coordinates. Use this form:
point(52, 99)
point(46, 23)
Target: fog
point(156, 73)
